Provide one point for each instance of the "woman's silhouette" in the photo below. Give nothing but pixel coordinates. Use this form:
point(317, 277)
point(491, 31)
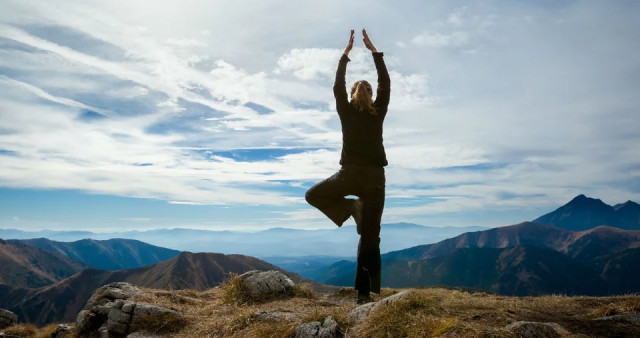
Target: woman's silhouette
point(362, 173)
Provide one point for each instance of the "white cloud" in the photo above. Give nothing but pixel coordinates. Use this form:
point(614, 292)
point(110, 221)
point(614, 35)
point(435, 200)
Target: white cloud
point(309, 63)
point(439, 40)
point(539, 112)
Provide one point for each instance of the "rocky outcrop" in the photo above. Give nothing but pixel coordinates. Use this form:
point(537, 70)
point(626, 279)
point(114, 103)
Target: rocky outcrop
point(109, 312)
point(362, 311)
point(536, 329)
point(327, 328)
point(98, 308)
point(261, 285)
point(7, 318)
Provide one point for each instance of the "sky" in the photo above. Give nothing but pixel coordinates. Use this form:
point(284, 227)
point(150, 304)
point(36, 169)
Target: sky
point(122, 115)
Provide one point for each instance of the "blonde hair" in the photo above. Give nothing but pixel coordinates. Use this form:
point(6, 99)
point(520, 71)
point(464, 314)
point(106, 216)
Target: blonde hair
point(362, 97)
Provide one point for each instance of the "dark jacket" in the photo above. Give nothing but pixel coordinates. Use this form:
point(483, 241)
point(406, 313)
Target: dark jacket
point(361, 131)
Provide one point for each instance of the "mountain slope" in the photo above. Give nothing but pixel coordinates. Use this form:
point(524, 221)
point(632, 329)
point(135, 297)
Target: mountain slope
point(587, 244)
point(620, 271)
point(583, 213)
point(519, 271)
point(26, 266)
point(63, 300)
point(112, 254)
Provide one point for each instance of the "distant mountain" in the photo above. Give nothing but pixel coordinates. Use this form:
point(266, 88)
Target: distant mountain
point(576, 244)
point(65, 236)
point(26, 266)
point(583, 213)
point(602, 260)
point(518, 271)
point(339, 242)
point(198, 271)
point(312, 267)
point(112, 254)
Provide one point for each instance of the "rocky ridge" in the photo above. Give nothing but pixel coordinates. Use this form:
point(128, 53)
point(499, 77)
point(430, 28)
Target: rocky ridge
point(278, 309)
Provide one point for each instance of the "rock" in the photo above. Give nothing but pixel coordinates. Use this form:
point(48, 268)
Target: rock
point(118, 321)
point(266, 284)
point(111, 292)
point(62, 331)
point(120, 290)
point(103, 332)
point(633, 318)
point(109, 313)
point(7, 318)
point(143, 311)
point(328, 328)
point(275, 316)
point(535, 329)
point(361, 312)
point(128, 307)
point(87, 320)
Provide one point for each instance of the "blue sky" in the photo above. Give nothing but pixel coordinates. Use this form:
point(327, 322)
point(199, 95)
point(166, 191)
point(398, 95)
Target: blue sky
point(121, 115)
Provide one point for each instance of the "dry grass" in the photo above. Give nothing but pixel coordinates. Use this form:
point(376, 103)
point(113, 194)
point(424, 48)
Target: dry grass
point(46, 332)
point(28, 330)
point(166, 323)
point(430, 312)
point(20, 330)
point(625, 305)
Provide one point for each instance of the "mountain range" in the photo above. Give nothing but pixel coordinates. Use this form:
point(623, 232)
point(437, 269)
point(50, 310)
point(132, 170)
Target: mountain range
point(581, 245)
point(529, 258)
point(523, 260)
point(112, 254)
point(61, 301)
point(281, 242)
point(23, 265)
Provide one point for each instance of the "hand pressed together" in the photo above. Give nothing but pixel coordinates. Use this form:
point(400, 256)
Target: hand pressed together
point(365, 39)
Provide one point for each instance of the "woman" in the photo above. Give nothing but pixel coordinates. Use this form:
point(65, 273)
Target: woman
point(362, 173)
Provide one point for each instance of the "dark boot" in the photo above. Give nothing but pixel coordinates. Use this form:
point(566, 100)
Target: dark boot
point(363, 298)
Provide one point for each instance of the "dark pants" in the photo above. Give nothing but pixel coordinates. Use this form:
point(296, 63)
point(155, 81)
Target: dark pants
point(368, 183)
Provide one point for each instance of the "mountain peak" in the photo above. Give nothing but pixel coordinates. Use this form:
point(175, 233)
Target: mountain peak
point(584, 201)
point(627, 205)
point(583, 213)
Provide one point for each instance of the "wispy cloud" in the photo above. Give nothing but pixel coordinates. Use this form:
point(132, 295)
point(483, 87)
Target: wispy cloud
point(493, 107)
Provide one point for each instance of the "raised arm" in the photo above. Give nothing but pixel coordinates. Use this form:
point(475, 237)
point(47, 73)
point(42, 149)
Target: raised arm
point(339, 86)
point(384, 82)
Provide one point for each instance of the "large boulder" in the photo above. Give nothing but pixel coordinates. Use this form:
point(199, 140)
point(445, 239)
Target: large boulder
point(535, 329)
point(261, 285)
point(98, 308)
point(109, 312)
point(327, 328)
point(7, 318)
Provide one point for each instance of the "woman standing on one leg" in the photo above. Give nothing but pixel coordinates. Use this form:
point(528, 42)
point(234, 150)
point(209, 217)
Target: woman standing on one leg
point(362, 173)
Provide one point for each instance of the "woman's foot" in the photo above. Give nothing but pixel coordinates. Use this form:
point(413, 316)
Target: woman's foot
point(364, 298)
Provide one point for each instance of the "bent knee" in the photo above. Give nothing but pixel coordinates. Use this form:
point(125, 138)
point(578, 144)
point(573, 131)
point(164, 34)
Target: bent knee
point(310, 196)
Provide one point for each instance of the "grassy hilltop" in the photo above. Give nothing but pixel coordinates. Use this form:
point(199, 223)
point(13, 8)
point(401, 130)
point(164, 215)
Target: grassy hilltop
point(431, 312)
